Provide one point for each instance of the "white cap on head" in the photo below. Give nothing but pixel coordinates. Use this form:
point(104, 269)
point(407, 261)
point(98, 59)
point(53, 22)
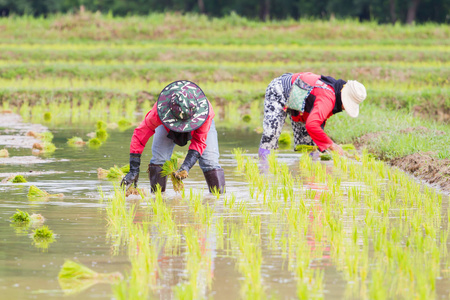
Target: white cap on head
point(352, 94)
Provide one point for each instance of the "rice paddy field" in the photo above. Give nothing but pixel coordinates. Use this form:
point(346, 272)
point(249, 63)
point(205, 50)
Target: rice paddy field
point(73, 88)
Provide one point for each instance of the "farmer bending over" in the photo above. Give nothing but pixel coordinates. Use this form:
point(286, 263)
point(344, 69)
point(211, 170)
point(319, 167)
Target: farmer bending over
point(310, 100)
point(181, 114)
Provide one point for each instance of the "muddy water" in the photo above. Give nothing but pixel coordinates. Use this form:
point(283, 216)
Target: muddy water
point(78, 220)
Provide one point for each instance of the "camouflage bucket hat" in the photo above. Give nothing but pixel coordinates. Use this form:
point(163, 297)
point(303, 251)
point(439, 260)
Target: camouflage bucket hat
point(182, 106)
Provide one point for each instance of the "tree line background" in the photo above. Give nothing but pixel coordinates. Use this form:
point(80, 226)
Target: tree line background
point(383, 11)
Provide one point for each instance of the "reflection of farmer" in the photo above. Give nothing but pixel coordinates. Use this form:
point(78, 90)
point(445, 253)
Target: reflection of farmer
point(181, 114)
point(328, 97)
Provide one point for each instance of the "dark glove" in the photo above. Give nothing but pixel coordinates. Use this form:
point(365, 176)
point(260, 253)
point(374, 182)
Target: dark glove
point(133, 175)
point(190, 160)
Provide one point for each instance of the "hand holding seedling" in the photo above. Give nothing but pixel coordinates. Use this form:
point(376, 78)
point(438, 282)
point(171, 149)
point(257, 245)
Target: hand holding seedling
point(181, 174)
point(337, 148)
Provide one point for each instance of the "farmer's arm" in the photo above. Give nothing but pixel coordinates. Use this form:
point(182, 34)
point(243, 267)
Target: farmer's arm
point(144, 131)
point(323, 106)
point(198, 142)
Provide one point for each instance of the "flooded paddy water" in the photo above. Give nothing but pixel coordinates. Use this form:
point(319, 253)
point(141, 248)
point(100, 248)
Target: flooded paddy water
point(301, 229)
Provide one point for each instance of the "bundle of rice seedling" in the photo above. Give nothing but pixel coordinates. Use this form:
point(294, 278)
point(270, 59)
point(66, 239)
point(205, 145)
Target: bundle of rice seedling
point(18, 179)
point(101, 134)
point(45, 147)
point(306, 148)
point(101, 125)
point(169, 168)
point(47, 116)
point(102, 173)
point(4, 153)
point(94, 143)
point(35, 192)
point(114, 173)
point(76, 141)
point(43, 233)
point(124, 124)
point(285, 140)
point(74, 277)
point(125, 169)
point(326, 156)
point(21, 217)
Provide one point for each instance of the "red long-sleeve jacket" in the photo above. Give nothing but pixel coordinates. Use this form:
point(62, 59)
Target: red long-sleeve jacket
point(322, 110)
point(147, 128)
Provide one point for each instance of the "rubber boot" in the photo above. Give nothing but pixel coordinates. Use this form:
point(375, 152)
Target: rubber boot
point(154, 174)
point(215, 179)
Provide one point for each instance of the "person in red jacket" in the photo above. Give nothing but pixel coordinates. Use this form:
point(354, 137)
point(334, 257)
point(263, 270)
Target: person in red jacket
point(181, 114)
point(328, 97)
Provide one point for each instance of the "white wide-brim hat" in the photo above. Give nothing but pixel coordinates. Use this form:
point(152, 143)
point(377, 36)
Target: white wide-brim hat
point(352, 94)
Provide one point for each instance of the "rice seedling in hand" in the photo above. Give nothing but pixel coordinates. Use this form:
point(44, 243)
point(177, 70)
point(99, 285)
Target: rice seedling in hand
point(4, 153)
point(169, 168)
point(74, 278)
point(76, 141)
point(285, 140)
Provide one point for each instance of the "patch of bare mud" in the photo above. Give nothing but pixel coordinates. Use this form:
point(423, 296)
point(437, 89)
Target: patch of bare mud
point(426, 167)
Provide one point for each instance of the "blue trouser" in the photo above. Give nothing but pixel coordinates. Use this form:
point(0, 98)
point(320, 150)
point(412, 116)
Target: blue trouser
point(162, 149)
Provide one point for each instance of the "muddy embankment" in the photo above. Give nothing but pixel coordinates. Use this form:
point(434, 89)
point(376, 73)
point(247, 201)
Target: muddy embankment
point(423, 165)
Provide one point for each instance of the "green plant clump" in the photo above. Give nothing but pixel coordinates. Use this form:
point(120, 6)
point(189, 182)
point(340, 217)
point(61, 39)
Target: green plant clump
point(20, 217)
point(94, 142)
point(124, 124)
point(125, 169)
point(101, 134)
point(285, 140)
point(47, 116)
point(18, 179)
point(36, 192)
point(114, 173)
point(43, 233)
point(48, 147)
point(246, 118)
point(76, 141)
point(326, 156)
point(305, 148)
point(101, 125)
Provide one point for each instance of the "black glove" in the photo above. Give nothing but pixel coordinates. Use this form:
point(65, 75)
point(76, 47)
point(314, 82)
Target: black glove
point(133, 175)
point(190, 160)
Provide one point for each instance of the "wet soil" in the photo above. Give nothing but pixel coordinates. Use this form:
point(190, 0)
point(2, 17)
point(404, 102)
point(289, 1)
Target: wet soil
point(424, 166)
point(13, 132)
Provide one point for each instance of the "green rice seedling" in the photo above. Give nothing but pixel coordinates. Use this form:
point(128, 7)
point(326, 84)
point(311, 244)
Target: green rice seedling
point(114, 173)
point(285, 140)
point(46, 136)
point(76, 141)
point(238, 156)
point(326, 156)
point(94, 143)
point(74, 278)
point(18, 179)
point(246, 118)
point(124, 124)
point(20, 217)
point(125, 169)
point(4, 153)
point(35, 192)
point(101, 134)
point(43, 237)
point(306, 148)
point(47, 116)
point(101, 125)
point(168, 169)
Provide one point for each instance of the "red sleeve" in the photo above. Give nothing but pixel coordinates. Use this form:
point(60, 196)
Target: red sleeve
point(144, 131)
point(323, 106)
point(199, 135)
